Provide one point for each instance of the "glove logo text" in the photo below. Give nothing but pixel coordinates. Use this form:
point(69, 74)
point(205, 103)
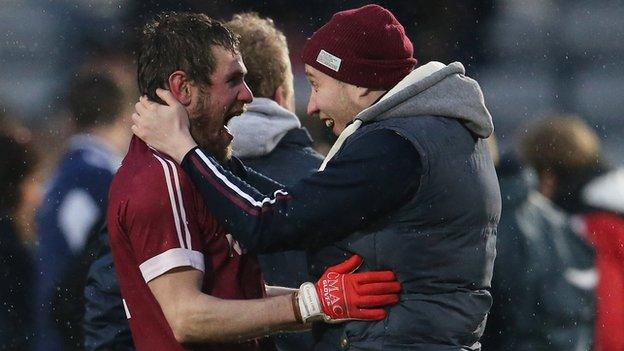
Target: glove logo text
point(330, 291)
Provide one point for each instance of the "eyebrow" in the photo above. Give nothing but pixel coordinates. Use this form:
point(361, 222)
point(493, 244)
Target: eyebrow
point(237, 73)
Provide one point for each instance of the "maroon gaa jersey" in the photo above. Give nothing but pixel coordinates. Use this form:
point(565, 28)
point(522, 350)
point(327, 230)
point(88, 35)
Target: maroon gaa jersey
point(156, 222)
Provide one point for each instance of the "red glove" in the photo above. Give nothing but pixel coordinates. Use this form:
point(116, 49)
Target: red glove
point(342, 295)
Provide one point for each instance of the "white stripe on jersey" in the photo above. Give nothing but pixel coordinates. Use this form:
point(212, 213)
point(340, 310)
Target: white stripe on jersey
point(128, 316)
point(179, 193)
point(174, 208)
point(236, 189)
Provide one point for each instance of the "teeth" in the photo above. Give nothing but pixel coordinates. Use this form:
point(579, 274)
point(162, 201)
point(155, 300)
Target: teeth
point(329, 123)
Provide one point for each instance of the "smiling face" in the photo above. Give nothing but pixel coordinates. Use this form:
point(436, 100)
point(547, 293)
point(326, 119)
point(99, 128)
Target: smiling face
point(331, 99)
point(212, 106)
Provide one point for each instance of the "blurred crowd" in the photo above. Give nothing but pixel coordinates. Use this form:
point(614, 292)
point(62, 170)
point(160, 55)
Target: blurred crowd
point(69, 88)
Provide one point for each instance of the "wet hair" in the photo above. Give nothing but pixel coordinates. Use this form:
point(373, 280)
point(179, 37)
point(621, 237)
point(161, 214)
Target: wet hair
point(182, 41)
point(94, 100)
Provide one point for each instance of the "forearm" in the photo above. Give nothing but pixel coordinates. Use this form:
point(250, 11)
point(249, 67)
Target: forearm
point(278, 290)
point(209, 319)
point(360, 185)
point(197, 317)
point(316, 211)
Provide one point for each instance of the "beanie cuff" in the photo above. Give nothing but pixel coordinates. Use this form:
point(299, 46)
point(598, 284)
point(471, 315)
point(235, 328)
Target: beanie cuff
point(374, 74)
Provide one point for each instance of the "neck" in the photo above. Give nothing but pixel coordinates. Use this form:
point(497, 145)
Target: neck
point(371, 98)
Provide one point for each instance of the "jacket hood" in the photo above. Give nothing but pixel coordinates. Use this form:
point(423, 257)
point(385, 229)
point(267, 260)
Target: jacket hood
point(606, 192)
point(435, 89)
point(260, 128)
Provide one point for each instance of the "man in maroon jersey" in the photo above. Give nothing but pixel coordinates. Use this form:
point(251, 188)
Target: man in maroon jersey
point(186, 283)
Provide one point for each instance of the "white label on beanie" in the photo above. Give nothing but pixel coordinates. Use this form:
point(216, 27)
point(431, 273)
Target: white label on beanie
point(328, 60)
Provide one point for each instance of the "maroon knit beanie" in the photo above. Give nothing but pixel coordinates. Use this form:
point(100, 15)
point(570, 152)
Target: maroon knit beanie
point(366, 47)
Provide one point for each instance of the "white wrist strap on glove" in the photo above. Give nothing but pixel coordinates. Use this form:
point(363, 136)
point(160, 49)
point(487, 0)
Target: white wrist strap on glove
point(309, 304)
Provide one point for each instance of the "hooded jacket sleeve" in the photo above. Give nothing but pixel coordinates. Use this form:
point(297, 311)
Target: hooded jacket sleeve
point(369, 178)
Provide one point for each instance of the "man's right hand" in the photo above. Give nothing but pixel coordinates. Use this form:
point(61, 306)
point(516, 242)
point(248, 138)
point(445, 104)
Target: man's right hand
point(163, 127)
point(342, 295)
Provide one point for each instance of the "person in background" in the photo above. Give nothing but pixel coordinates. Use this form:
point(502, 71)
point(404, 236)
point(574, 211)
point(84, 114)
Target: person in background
point(105, 326)
point(268, 138)
point(544, 273)
point(73, 209)
point(16, 263)
point(565, 152)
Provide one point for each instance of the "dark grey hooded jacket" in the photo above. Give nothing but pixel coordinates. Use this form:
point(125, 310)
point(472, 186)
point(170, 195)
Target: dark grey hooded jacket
point(441, 243)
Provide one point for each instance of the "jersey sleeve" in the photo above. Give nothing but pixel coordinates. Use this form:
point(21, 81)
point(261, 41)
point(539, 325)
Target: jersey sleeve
point(162, 221)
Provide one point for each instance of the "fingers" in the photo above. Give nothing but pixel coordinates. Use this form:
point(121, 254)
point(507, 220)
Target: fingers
point(136, 119)
point(373, 277)
point(145, 102)
point(377, 300)
point(378, 288)
point(135, 130)
point(140, 107)
point(371, 314)
point(167, 97)
point(348, 266)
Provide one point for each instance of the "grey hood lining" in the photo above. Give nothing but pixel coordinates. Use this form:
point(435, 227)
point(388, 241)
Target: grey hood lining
point(435, 89)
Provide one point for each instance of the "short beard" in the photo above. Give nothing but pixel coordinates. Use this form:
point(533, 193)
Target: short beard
point(197, 129)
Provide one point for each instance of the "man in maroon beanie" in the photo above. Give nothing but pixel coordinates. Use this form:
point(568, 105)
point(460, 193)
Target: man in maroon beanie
point(409, 184)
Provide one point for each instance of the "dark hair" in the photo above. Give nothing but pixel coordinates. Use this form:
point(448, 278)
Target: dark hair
point(179, 41)
point(94, 99)
point(16, 163)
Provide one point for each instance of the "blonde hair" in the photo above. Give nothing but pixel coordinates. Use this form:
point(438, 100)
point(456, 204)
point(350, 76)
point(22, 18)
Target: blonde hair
point(560, 144)
point(264, 51)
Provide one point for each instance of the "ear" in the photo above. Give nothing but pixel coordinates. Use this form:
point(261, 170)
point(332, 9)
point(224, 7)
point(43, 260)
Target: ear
point(284, 96)
point(180, 87)
point(363, 97)
point(279, 96)
point(362, 92)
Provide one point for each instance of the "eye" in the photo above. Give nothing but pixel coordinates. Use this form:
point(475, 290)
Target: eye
point(235, 80)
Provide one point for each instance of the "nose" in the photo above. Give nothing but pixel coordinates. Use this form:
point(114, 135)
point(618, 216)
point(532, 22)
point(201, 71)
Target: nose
point(312, 107)
point(245, 95)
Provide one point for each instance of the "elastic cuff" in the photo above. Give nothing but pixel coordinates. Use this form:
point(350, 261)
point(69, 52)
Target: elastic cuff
point(187, 157)
point(295, 306)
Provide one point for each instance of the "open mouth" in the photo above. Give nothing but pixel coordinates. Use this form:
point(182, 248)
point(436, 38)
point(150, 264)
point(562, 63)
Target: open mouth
point(225, 131)
point(329, 123)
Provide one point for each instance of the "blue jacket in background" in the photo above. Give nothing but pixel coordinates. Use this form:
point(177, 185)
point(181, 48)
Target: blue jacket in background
point(73, 204)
